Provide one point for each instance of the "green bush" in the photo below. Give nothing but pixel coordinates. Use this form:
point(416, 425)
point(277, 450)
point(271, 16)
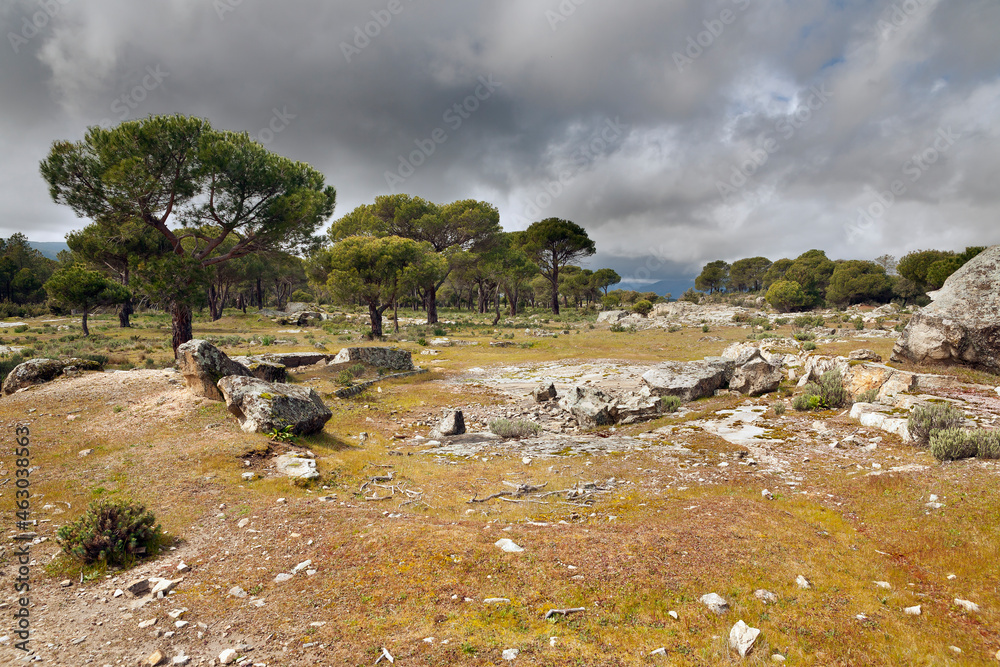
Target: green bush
point(674, 328)
point(8, 364)
point(925, 420)
point(826, 394)
point(859, 323)
point(618, 327)
point(345, 378)
point(422, 342)
point(950, 444)
point(642, 307)
point(514, 428)
point(808, 346)
point(267, 340)
point(987, 443)
point(802, 337)
point(869, 396)
point(111, 531)
point(704, 328)
point(670, 403)
point(438, 331)
point(779, 408)
point(302, 296)
point(357, 370)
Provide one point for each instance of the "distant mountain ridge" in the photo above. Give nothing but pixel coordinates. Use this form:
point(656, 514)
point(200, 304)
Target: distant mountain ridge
point(673, 286)
point(49, 249)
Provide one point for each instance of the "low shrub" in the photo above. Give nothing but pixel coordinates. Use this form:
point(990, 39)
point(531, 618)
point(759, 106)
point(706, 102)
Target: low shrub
point(115, 532)
point(869, 396)
point(357, 370)
point(779, 408)
point(618, 327)
point(674, 328)
point(925, 420)
point(438, 331)
point(808, 346)
point(950, 444)
point(987, 443)
point(345, 378)
point(514, 428)
point(826, 394)
point(670, 403)
point(704, 328)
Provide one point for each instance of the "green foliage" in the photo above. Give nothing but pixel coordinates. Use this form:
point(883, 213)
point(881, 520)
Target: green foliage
point(345, 378)
point(987, 443)
point(267, 340)
point(7, 364)
point(859, 323)
point(357, 370)
point(869, 396)
point(812, 270)
point(422, 342)
point(438, 331)
point(827, 394)
point(777, 271)
point(915, 266)
point(801, 336)
point(670, 403)
point(114, 532)
point(642, 307)
point(704, 328)
point(950, 444)
point(691, 296)
point(514, 428)
point(925, 420)
point(785, 296)
point(283, 434)
point(747, 275)
point(618, 327)
point(552, 244)
point(856, 281)
point(605, 278)
point(302, 296)
point(713, 277)
point(779, 408)
point(77, 287)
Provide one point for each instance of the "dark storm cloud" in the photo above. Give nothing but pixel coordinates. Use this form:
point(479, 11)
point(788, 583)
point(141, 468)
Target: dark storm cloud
point(677, 131)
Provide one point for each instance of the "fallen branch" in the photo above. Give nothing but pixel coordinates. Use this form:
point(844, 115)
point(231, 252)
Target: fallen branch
point(525, 500)
point(563, 612)
point(474, 499)
point(377, 478)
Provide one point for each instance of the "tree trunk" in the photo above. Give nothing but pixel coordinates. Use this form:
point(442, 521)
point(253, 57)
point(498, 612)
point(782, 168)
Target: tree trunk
point(83, 323)
point(124, 312)
point(555, 293)
point(260, 294)
point(376, 317)
point(496, 316)
point(432, 307)
point(181, 324)
point(395, 315)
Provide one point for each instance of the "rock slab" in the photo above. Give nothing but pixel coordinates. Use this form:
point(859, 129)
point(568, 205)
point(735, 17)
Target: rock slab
point(203, 365)
point(689, 380)
point(962, 323)
point(39, 370)
point(263, 406)
point(380, 357)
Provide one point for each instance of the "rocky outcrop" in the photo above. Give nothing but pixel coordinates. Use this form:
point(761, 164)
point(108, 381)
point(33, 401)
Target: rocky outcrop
point(864, 354)
point(296, 466)
point(39, 370)
point(452, 423)
point(611, 315)
point(263, 370)
point(689, 380)
point(380, 357)
point(263, 406)
point(203, 365)
point(591, 407)
point(962, 324)
point(755, 375)
point(544, 392)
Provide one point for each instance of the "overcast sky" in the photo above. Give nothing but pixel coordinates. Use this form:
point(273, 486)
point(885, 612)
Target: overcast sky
point(676, 132)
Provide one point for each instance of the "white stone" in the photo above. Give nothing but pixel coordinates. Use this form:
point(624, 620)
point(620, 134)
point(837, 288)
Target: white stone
point(508, 545)
point(237, 592)
point(802, 582)
point(180, 660)
point(967, 605)
point(673, 614)
point(659, 651)
point(912, 611)
point(765, 596)
point(742, 638)
point(228, 656)
point(883, 584)
point(242, 523)
point(715, 602)
point(282, 577)
point(510, 654)
point(301, 566)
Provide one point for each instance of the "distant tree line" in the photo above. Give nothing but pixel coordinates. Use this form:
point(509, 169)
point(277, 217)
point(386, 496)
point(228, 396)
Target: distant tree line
point(812, 280)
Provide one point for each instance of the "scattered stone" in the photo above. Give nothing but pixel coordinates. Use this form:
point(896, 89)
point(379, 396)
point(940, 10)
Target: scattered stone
point(183, 567)
point(66, 583)
point(249, 476)
point(883, 584)
point(802, 582)
point(864, 354)
point(380, 357)
point(155, 658)
point(508, 545)
point(453, 423)
point(84, 452)
point(181, 659)
point(282, 577)
point(496, 601)
point(912, 611)
point(39, 370)
point(777, 657)
point(673, 614)
point(591, 406)
point(264, 406)
point(543, 393)
point(139, 587)
point(967, 605)
point(766, 495)
point(660, 651)
point(301, 566)
point(715, 602)
point(742, 638)
point(228, 656)
point(296, 466)
point(510, 654)
point(268, 371)
point(765, 596)
point(147, 624)
point(237, 592)
point(611, 315)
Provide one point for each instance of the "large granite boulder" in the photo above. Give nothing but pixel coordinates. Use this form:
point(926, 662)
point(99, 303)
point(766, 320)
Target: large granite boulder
point(611, 315)
point(755, 375)
point(203, 365)
point(962, 323)
point(263, 370)
point(689, 380)
point(380, 357)
point(591, 406)
point(263, 406)
point(39, 370)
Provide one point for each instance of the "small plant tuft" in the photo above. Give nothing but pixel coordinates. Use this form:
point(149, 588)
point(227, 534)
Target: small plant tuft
point(827, 394)
point(779, 408)
point(670, 403)
point(114, 532)
point(357, 370)
point(514, 428)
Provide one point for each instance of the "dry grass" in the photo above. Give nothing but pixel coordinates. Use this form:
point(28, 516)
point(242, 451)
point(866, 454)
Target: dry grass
point(392, 574)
